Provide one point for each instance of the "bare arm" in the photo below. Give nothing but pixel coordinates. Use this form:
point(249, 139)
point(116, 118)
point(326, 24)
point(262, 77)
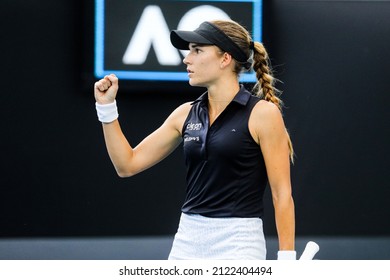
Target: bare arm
point(267, 127)
point(127, 160)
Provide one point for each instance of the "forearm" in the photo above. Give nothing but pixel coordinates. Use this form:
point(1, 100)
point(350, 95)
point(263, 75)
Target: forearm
point(118, 148)
point(285, 223)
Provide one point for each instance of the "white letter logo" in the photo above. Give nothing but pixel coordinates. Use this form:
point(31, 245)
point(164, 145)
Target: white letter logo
point(151, 30)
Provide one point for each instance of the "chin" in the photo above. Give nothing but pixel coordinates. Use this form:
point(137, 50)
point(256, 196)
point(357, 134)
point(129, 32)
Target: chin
point(196, 84)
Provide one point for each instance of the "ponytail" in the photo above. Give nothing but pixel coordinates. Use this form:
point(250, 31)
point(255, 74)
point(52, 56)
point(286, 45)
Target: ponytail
point(265, 86)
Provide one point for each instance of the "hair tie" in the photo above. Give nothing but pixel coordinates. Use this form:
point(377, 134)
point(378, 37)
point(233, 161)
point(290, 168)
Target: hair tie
point(252, 45)
point(248, 64)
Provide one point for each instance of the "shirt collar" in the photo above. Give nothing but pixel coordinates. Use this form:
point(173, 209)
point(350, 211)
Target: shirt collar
point(241, 97)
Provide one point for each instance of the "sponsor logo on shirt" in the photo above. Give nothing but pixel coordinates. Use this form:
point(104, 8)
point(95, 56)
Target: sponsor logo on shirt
point(194, 126)
point(189, 138)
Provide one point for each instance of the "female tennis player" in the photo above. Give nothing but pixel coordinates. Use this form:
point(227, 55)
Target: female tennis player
point(234, 142)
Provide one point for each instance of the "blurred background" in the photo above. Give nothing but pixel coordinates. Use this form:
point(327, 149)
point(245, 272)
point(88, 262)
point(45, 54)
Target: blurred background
point(60, 197)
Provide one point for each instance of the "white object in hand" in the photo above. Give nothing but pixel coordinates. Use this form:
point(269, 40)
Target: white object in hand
point(310, 250)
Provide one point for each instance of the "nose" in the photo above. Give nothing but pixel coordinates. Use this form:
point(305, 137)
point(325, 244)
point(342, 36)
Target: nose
point(186, 59)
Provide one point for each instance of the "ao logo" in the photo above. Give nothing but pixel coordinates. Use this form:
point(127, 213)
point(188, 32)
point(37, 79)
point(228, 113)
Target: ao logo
point(152, 30)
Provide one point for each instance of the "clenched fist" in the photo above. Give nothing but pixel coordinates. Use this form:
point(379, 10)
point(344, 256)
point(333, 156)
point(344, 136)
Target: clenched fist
point(106, 89)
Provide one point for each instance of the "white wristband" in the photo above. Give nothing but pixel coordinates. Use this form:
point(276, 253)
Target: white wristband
point(287, 255)
point(107, 112)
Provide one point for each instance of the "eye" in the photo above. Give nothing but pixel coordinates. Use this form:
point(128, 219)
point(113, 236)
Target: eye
point(195, 49)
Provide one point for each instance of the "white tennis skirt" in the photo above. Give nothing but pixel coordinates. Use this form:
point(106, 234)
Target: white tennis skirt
point(200, 237)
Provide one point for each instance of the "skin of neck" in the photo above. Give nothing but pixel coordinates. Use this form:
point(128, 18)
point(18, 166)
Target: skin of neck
point(221, 94)
point(224, 90)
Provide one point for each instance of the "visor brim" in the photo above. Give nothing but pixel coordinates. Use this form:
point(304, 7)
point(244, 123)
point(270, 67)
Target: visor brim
point(181, 39)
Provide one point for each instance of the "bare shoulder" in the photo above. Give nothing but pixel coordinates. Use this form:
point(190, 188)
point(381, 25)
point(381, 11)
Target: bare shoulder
point(265, 118)
point(181, 111)
point(178, 116)
point(265, 110)
point(184, 108)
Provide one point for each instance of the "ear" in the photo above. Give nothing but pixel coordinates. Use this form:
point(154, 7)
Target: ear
point(226, 60)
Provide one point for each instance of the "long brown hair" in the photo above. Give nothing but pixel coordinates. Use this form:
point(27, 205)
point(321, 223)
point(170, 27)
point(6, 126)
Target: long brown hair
point(265, 85)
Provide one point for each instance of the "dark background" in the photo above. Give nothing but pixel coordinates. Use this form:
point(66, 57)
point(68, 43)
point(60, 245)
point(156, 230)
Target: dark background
point(57, 180)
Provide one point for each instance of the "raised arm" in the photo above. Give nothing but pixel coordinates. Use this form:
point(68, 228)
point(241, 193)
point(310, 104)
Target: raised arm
point(127, 160)
point(267, 127)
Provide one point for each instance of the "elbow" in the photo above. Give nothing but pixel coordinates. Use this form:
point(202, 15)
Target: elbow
point(122, 173)
point(283, 199)
point(126, 169)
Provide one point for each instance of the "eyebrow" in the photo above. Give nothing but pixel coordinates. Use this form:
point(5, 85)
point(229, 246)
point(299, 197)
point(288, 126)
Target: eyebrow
point(195, 45)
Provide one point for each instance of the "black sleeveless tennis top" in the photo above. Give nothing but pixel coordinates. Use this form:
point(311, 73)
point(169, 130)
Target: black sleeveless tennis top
point(226, 175)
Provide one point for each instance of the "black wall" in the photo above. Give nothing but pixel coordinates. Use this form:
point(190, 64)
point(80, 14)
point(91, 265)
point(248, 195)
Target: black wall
point(57, 180)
